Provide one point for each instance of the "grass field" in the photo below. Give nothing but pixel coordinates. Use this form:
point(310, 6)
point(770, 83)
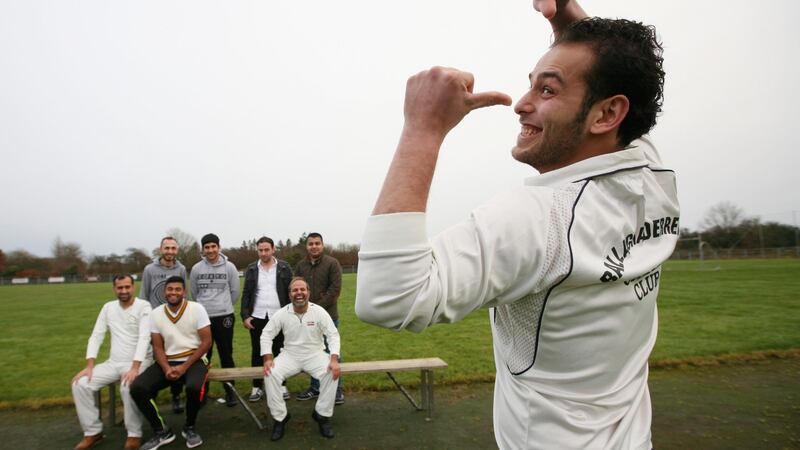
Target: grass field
point(745, 306)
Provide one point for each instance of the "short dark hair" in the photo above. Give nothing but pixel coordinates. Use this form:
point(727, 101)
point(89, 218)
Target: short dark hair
point(175, 279)
point(121, 276)
point(167, 238)
point(315, 235)
point(628, 61)
point(264, 239)
point(209, 238)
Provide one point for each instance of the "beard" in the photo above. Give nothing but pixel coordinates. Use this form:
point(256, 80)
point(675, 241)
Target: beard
point(299, 303)
point(559, 143)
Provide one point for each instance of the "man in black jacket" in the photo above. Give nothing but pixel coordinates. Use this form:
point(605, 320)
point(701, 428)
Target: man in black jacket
point(266, 290)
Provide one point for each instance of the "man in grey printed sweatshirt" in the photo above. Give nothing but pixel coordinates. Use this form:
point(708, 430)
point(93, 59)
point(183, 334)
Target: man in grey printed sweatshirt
point(215, 285)
point(154, 278)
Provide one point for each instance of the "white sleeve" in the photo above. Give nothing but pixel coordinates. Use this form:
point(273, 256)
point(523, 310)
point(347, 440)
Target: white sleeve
point(151, 322)
point(98, 333)
point(202, 317)
point(408, 282)
point(269, 332)
point(143, 343)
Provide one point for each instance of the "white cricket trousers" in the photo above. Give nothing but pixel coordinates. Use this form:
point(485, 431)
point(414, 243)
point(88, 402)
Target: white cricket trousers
point(83, 392)
point(288, 364)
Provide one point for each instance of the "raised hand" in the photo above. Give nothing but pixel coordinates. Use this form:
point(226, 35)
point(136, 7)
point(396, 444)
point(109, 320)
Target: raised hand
point(560, 13)
point(437, 100)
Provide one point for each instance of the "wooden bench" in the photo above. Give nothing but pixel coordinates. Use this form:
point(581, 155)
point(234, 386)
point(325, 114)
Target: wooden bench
point(426, 366)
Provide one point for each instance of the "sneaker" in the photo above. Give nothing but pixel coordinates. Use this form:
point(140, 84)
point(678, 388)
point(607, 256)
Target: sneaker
point(256, 395)
point(308, 394)
point(286, 395)
point(177, 404)
point(163, 437)
point(339, 398)
point(192, 438)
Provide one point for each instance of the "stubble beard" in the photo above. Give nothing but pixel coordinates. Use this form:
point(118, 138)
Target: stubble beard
point(559, 144)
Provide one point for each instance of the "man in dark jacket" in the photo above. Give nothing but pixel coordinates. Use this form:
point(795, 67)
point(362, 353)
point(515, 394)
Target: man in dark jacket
point(266, 290)
point(323, 273)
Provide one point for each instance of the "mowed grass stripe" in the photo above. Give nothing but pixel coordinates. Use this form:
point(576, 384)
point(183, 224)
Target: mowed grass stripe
point(745, 306)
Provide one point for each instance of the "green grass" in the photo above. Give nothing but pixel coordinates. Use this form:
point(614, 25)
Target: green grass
point(745, 306)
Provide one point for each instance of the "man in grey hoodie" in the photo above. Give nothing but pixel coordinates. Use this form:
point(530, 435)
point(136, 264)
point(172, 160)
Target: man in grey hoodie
point(154, 278)
point(156, 273)
point(215, 285)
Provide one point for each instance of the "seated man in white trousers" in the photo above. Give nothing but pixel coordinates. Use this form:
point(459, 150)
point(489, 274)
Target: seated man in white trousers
point(303, 324)
point(127, 320)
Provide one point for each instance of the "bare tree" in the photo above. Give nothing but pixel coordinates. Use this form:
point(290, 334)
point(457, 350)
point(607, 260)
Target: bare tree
point(724, 215)
point(188, 247)
point(67, 258)
point(135, 260)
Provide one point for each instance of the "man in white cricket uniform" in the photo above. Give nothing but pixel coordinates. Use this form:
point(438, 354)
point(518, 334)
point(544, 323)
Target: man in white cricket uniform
point(304, 324)
point(570, 263)
point(126, 318)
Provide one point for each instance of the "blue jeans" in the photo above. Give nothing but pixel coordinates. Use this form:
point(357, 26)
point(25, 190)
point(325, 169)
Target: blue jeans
point(315, 382)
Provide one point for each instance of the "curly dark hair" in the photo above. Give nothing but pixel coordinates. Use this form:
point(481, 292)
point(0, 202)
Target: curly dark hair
point(628, 61)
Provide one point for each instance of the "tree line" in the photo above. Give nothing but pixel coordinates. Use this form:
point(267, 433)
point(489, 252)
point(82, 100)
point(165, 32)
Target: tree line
point(724, 226)
point(69, 260)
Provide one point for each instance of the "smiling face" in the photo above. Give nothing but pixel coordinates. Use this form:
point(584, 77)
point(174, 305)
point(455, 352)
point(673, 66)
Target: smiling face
point(211, 251)
point(298, 292)
point(169, 250)
point(314, 247)
point(174, 293)
point(552, 112)
point(123, 288)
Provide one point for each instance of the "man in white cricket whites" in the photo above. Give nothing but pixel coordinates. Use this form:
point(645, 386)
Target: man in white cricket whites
point(126, 318)
point(303, 325)
point(151, 289)
point(569, 263)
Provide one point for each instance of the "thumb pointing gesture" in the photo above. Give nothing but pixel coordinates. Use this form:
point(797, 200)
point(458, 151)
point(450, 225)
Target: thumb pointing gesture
point(484, 99)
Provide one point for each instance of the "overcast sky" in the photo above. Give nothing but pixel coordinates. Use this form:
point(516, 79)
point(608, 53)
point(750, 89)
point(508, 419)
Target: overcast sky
point(120, 120)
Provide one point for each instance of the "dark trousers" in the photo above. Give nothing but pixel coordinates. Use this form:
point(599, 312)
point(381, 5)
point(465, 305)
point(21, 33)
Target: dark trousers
point(256, 360)
point(222, 336)
point(147, 385)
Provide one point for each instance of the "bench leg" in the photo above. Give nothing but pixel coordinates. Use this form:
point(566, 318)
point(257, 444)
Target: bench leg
point(404, 391)
point(244, 405)
point(426, 386)
point(112, 403)
point(112, 406)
